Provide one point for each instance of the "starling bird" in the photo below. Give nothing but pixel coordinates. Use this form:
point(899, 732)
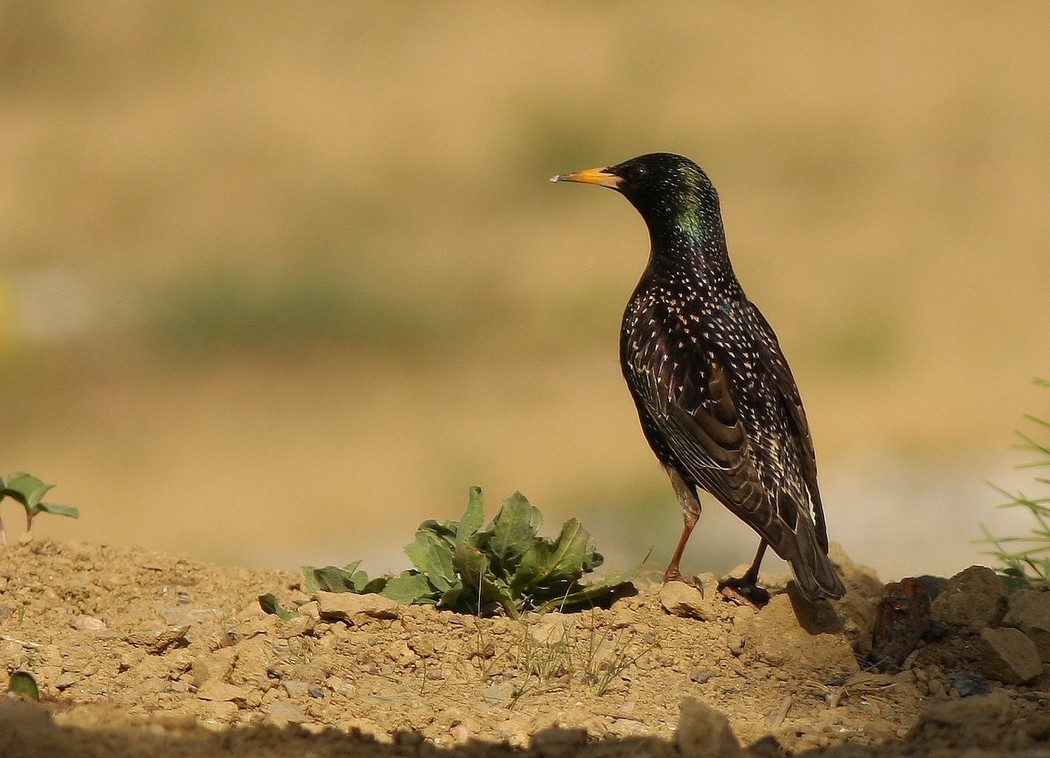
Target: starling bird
point(716, 399)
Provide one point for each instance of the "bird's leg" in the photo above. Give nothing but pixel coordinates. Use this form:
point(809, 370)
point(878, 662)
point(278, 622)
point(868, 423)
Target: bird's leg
point(746, 586)
point(690, 505)
point(750, 577)
point(673, 573)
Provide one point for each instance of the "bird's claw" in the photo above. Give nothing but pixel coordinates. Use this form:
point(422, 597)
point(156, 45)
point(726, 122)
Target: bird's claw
point(743, 592)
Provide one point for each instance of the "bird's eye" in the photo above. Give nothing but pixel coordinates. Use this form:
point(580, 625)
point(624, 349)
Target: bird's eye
point(634, 171)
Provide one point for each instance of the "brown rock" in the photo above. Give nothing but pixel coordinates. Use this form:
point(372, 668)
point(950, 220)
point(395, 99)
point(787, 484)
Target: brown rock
point(984, 710)
point(1029, 611)
point(858, 620)
point(798, 636)
point(1009, 656)
point(355, 609)
point(157, 640)
point(685, 600)
point(286, 713)
point(88, 624)
point(26, 717)
point(857, 577)
point(559, 741)
point(704, 732)
point(975, 597)
point(222, 692)
point(213, 666)
point(550, 628)
point(902, 619)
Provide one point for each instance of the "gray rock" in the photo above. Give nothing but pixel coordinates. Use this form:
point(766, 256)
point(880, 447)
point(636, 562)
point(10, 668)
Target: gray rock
point(967, 685)
point(975, 597)
point(704, 732)
point(1029, 611)
point(1009, 656)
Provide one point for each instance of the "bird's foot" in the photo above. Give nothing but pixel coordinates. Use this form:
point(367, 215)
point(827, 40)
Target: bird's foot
point(692, 581)
point(743, 591)
point(673, 573)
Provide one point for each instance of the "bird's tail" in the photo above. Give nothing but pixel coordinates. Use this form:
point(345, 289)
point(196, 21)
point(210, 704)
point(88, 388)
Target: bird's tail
point(814, 573)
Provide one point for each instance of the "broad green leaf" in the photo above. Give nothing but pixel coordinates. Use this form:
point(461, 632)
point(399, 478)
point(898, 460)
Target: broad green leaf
point(432, 556)
point(571, 550)
point(335, 579)
point(269, 604)
point(462, 567)
point(23, 684)
point(25, 488)
point(57, 510)
point(597, 593)
point(547, 564)
point(532, 566)
point(450, 600)
point(593, 561)
point(473, 516)
point(410, 588)
point(446, 530)
point(513, 533)
point(589, 596)
point(367, 586)
point(479, 582)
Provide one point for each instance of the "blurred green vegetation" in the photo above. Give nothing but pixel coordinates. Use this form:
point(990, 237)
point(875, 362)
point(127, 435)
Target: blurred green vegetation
point(239, 239)
point(220, 309)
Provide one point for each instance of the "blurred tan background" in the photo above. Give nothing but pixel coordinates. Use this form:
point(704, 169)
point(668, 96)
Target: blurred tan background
point(278, 281)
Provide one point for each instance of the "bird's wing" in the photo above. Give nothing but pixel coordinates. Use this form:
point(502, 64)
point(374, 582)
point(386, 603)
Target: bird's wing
point(689, 400)
point(704, 401)
point(786, 389)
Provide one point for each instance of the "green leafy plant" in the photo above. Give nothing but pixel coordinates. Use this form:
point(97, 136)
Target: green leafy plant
point(1026, 559)
point(505, 566)
point(269, 604)
point(28, 490)
point(23, 684)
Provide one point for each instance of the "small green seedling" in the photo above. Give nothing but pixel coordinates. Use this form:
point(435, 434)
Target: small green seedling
point(23, 684)
point(505, 567)
point(28, 490)
point(269, 604)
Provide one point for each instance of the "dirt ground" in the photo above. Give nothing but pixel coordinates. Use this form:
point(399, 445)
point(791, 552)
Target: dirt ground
point(141, 653)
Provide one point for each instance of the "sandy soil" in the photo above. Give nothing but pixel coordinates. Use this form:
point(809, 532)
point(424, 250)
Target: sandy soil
point(144, 653)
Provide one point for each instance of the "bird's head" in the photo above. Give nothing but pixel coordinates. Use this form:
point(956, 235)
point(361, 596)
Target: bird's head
point(670, 192)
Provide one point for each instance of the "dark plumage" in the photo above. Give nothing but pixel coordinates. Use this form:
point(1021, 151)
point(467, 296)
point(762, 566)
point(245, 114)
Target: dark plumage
point(715, 396)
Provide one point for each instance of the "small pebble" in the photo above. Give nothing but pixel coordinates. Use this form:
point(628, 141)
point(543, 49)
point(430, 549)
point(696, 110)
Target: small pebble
point(700, 675)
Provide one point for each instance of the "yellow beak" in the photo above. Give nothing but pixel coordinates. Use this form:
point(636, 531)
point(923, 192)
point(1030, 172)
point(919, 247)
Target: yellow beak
point(599, 176)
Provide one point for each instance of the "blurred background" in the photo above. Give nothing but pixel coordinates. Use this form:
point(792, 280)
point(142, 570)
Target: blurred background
point(279, 281)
